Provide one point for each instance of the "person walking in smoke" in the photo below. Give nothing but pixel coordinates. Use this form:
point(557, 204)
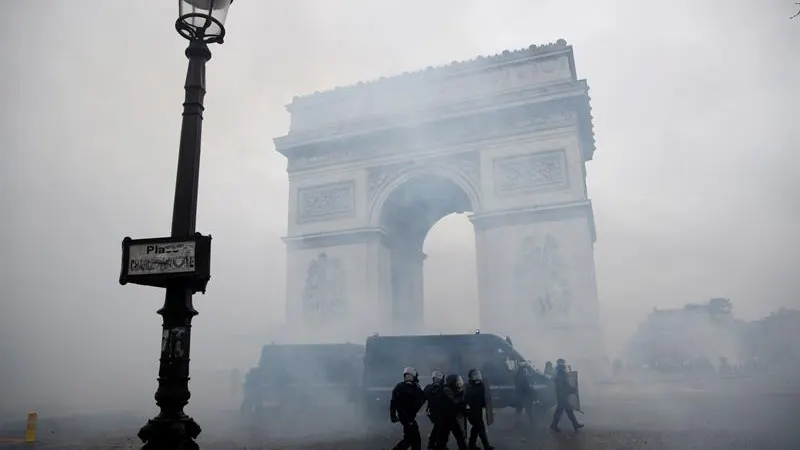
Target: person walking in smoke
point(548, 369)
point(453, 408)
point(433, 392)
point(525, 395)
point(407, 399)
point(476, 399)
point(563, 390)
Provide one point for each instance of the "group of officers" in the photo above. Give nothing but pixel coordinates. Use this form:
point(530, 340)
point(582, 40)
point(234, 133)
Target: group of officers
point(449, 400)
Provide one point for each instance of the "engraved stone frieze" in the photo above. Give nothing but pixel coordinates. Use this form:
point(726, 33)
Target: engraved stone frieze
point(550, 120)
point(513, 174)
point(319, 159)
point(438, 135)
point(326, 202)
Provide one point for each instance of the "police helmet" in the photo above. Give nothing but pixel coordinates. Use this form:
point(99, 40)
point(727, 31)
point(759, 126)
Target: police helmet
point(437, 376)
point(410, 374)
point(475, 375)
point(452, 380)
point(561, 363)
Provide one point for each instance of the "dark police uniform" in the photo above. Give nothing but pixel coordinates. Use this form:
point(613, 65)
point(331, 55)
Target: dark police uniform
point(525, 395)
point(433, 395)
point(453, 407)
point(563, 391)
point(475, 397)
point(407, 399)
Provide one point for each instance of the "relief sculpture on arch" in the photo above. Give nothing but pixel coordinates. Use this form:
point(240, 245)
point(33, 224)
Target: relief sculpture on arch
point(324, 296)
point(541, 276)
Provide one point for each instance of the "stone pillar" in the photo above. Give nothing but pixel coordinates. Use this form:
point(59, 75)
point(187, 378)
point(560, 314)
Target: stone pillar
point(492, 301)
point(335, 286)
point(417, 264)
point(407, 289)
point(536, 281)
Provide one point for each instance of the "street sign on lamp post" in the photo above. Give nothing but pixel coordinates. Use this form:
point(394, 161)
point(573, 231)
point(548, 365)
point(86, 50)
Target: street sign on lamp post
point(160, 262)
point(179, 263)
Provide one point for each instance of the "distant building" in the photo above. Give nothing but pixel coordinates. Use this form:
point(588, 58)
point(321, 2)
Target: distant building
point(773, 340)
point(674, 337)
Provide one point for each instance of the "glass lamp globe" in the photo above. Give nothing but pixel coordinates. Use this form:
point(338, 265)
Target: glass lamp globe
point(202, 20)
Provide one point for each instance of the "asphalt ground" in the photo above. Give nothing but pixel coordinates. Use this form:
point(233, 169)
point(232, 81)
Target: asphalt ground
point(705, 415)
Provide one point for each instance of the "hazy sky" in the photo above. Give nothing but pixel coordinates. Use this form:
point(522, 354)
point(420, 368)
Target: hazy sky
point(694, 182)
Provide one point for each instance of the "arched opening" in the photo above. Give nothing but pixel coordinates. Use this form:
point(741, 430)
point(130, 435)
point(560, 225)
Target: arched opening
point(407, 216)
point(450, 276)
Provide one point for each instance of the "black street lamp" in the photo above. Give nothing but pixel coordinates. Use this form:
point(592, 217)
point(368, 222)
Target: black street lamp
point(202, 23)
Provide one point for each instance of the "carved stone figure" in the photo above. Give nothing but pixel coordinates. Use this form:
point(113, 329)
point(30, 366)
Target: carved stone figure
point(324, 294)
point(543, 286)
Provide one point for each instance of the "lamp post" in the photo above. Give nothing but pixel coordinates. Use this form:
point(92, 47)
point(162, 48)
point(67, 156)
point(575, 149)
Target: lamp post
point(202, 23)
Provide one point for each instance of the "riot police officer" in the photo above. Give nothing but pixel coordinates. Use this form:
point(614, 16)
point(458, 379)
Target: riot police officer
point(252, 401)
point(453, 409)
point(563, 391)
point(437, 439)
point(524, 393)
point(548, 369)
point(407, 399)
point(475, 398)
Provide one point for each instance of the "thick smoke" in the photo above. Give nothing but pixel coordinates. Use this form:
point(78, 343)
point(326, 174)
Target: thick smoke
point(693, 183)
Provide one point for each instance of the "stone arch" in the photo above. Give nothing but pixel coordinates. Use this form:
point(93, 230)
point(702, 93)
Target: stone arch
point(465, 181)
point(511, 134)
point(407, 200)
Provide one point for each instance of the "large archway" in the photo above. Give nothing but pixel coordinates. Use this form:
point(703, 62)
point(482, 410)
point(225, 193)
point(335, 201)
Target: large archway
point(373, 166)
point(450, 277)
point(407, 215)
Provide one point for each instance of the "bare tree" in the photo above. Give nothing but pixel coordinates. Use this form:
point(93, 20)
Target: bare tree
point(798, 11)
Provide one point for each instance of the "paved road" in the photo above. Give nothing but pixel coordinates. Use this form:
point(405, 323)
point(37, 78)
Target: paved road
point(680, 417)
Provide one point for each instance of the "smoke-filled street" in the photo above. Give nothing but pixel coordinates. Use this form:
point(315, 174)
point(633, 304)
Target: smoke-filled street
point(421, 211)
point(740, 414)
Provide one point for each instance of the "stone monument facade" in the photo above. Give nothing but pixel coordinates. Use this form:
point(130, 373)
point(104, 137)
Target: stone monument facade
point(373, 166)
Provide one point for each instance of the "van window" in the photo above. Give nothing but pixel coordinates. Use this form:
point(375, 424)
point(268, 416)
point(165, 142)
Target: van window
point(381, 365)
point(432, 358)
point(386, 361)
point(502, 368)
point(474, 357)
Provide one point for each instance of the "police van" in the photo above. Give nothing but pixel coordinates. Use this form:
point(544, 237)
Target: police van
point(301, 376)
point(386, 356)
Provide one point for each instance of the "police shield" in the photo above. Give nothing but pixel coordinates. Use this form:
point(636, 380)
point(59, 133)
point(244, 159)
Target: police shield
point(574, 399)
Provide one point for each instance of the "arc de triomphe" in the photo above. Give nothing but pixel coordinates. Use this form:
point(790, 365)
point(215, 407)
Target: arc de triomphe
point(372, 167)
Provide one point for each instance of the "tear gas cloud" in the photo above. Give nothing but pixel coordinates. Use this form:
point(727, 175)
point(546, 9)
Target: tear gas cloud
point(693, 182)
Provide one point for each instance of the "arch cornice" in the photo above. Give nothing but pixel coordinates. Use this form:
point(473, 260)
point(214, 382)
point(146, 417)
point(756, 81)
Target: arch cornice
point(466, 178)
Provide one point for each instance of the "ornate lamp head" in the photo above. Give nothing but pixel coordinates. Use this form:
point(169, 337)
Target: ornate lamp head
point(202, 20)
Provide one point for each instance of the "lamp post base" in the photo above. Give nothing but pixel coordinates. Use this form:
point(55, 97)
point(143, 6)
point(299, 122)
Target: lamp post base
point(170, 434)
